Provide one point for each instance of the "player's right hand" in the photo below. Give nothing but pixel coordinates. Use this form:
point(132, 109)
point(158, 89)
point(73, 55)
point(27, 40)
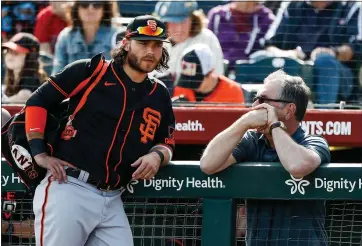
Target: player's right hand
point(54, 165)
point(257, 119)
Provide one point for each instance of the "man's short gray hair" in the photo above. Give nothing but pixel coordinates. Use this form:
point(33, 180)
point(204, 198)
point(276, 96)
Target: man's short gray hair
point(293, 89)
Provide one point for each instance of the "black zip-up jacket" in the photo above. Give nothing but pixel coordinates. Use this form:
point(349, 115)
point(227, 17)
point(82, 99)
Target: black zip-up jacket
point(120, 121)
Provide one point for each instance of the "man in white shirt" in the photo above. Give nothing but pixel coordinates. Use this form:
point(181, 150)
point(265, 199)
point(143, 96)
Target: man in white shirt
point(185, 25)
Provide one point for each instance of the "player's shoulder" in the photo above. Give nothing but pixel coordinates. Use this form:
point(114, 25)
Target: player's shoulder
point(80, 68)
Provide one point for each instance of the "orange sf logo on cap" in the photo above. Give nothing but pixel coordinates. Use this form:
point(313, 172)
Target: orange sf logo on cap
point(152, 24)
point(151, 29)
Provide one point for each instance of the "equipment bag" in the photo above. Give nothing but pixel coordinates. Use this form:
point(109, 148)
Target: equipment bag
point(15, 148)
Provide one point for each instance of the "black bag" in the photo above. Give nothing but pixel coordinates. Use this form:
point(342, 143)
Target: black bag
point(15, 147)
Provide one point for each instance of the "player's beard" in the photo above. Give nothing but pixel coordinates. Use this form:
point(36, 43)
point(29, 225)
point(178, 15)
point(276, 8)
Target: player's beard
point(135, 63)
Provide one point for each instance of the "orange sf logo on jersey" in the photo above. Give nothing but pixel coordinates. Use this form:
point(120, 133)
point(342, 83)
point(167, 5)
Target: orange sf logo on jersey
point(152, 120)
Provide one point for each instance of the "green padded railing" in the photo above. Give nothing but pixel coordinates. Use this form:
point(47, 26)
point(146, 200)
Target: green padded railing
point(183, 206)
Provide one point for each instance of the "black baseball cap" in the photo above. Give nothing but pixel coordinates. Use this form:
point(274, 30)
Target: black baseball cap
point(146, 27)
point(23, 43)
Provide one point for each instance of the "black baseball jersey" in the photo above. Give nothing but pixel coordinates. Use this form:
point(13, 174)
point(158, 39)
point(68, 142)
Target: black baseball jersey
point(120, 121)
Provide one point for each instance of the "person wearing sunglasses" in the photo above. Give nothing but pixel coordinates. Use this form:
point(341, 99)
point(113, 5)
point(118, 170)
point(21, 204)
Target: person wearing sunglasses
point(91, 32)
point(271, 132)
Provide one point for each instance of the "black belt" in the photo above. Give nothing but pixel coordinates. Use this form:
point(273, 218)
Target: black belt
point(75, 173)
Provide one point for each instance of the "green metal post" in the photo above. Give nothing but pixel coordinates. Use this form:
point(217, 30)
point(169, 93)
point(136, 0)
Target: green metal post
point(218, 222)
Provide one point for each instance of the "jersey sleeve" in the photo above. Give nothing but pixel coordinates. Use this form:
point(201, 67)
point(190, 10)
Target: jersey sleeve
point(57, 88)
point(165, 135)
point(320, 146)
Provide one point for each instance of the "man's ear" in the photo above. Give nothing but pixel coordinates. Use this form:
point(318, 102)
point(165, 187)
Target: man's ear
point(291, 109)
point(126, 43)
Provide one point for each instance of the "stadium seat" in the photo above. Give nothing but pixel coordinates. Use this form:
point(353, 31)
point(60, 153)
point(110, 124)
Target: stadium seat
point(256, 71)
point(251, 73)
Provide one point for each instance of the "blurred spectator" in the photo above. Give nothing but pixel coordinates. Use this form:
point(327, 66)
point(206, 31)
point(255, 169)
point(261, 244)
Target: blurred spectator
point(200, 83)
point(90, 34)
point(6, 21)
point(185, 25)
point(23, 73)
point(327, 33)
point(17, 17)
point(49, 23)
point(239, 26)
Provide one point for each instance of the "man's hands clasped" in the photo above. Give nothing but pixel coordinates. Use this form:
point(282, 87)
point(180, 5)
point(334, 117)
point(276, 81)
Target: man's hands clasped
point(261, 117)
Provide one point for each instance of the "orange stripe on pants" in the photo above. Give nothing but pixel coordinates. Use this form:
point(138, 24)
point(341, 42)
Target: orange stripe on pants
point(43, 211)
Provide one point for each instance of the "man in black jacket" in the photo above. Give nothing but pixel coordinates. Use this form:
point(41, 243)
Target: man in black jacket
point(124, 131)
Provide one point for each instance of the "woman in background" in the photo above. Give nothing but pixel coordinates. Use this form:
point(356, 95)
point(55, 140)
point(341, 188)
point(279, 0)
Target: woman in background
point(91, 33)
point(23, 73)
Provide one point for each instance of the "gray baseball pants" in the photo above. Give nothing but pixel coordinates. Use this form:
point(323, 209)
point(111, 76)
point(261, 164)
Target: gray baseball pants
point(76, 213)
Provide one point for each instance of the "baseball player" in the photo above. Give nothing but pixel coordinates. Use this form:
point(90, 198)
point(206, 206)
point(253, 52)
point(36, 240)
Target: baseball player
point(124, 131)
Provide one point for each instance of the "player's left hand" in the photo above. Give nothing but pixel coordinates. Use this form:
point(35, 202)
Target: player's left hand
point(148, 166)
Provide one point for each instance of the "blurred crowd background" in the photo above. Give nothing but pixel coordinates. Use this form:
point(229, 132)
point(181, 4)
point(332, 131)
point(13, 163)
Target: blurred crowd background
point(220, 51)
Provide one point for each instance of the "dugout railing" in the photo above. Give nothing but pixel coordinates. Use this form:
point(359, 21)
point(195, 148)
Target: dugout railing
point(183, 206)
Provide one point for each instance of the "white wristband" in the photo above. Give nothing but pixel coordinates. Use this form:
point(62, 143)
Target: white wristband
point(167, 148)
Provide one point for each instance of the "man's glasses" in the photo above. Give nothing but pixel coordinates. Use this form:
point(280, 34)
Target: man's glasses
point(95, 5)
point(263, 99)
